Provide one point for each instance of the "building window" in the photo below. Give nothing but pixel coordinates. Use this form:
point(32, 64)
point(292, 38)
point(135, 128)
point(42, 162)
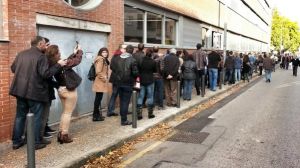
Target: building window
point(170, 31)
point(134, 25)
point(154, 28)
point(204, 37)
point(216, 40)
point(84, 4)
point(147, 27)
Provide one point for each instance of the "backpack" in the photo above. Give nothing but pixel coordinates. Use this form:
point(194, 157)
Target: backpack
point(92, 73)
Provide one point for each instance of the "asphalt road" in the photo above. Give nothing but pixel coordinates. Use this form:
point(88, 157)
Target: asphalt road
point(259, 127)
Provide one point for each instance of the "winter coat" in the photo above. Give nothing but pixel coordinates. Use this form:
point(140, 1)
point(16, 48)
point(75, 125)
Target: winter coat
point(148, 67)
point(213, 60)
point(72, 61)
point(268, 63)
point(238, 63)
point(31, 72)
point(159, 69)
point(229, 62)
point(124, 70)
point(171, 66)
point(189, 70)
point(200, 57)
point(100, 83)
point(138, 56)
point(296, 62)
point(246, 67)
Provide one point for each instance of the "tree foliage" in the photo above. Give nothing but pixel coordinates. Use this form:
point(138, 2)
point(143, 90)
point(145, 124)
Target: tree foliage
point(284, 32)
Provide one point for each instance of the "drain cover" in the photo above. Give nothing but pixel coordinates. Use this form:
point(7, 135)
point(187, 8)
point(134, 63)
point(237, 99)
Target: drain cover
point(189, 137)
point(194, 124)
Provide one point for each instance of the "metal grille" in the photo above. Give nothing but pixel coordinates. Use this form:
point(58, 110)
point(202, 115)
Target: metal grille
point(189, 137)
point(194, 125)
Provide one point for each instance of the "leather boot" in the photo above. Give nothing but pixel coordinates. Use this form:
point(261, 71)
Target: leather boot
point(97, 115)
point(150, 112)
point(139, 112)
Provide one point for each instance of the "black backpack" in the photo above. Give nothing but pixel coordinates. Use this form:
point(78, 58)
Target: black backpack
point(92, 73)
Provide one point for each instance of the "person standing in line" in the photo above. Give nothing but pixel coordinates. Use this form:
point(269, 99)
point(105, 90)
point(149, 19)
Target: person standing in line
point(260, 64)
point(268, 66)
point(246, 67)
point(148, 67)
point(171, 66)
point(100, 84)
point(124, 73)
point(229, 67)
point(296, 63)
point(67, 96)
point(158, 79)
point(237, 67)
point(213, 62)
point(200, 57)
point(30, 87)
point(189, 70)
point(115, 93)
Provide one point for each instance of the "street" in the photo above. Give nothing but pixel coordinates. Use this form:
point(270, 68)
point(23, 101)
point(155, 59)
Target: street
point(256, 128)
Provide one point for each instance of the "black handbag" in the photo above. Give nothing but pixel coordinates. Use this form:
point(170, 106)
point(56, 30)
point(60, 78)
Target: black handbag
point(72, 79)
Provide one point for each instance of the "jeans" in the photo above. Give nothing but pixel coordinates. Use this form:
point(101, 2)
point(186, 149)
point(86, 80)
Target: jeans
point(68, 100)
point(237, 74)
point(125, 92)
point(112, 101)
point(149, 91)
point(98, 99)
point(213, 76)
point(268, 74)
point(187, 89)
point(198, 80)
point(159, 92)
point(23, 107)
point(228, 76)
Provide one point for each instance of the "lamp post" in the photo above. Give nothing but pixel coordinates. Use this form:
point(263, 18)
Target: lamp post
point(225, 39)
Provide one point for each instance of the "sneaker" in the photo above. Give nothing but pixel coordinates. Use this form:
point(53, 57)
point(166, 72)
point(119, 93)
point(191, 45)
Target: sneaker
point(49, 130)
point(47, 135)
point(40, 146)
point(19, 145)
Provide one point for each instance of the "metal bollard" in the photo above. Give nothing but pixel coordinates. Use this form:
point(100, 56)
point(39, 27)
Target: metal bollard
point(178, 94)
point(221, 79)
point(203, 86)
point(134, 112)
point(30, 141)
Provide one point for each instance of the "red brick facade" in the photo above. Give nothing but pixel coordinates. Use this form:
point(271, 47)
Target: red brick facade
point(22, 27)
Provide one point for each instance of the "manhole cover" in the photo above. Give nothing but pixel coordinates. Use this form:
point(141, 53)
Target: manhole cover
point(189, 137)
point(194, 124)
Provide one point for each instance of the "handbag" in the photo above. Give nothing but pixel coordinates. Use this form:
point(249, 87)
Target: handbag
point(72, 79)
point(92, 73)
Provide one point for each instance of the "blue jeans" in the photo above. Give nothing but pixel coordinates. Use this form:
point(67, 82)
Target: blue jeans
point(187, 88)
point(213, 77)
point(23, 107)
point(125, 92)
point(268, 74)
point(112, 101)
point(237, 74)
point(149, 89)
point(159, 92)
point(228, 76)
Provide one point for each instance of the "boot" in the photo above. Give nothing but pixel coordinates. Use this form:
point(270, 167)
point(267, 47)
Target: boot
point(64, 138)
point(139, 112)
point(97, 115)
point(150, 112)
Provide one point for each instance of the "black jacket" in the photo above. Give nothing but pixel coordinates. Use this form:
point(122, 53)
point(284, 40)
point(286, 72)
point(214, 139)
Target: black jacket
point(189, 69)
point(138, 56)
point(213, 60)
point(31, 69)
point(124, 70)
point(148, 67)
point(229, 62)
point(296, 62)
point(171, 66)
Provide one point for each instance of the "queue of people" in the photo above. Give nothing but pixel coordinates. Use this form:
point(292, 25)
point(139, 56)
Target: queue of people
point(40, 70)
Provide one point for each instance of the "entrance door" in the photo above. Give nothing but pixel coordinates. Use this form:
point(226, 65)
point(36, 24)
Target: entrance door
point(90, 42)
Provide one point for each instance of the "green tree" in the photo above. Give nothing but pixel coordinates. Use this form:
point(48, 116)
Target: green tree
point(284, 32)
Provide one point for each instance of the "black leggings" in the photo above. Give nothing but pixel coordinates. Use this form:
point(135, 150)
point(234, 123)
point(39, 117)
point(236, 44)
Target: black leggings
point(98, 99)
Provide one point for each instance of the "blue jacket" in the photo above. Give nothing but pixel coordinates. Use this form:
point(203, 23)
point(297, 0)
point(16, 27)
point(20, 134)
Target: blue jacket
point(238, 63)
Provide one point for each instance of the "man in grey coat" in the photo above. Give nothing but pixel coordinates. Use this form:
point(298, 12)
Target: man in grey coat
point(30, 87)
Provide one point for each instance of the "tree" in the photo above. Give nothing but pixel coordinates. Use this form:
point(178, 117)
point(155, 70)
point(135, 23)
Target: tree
point(285, 33)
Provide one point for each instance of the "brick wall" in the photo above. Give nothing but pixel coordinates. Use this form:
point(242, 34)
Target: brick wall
point(22, 27)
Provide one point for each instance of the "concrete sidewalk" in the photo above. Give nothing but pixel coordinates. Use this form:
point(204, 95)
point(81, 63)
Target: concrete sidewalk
point(96, 138)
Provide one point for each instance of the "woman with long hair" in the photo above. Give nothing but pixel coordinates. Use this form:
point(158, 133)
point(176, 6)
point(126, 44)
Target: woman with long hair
point(100, 84)
point(246, 67)
point(68, 97)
